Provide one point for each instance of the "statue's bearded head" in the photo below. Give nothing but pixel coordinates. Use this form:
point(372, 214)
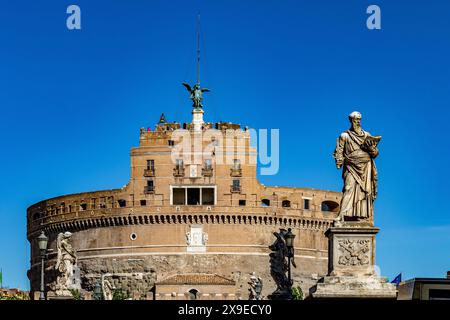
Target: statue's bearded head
point(355, 120)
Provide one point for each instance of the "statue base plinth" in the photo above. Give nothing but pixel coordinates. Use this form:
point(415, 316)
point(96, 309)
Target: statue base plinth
point(336, 287)
point(351, 265)
point(59, 295)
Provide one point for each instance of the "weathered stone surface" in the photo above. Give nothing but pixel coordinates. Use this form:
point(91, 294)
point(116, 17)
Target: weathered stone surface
point(132, 235)
point(355, 287)
point(123, 274)
point(351, 268)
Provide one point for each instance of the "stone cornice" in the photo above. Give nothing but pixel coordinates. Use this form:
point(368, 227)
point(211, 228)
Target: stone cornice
point(56, 224)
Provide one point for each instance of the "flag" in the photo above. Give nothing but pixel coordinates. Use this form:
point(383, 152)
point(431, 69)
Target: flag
point(397, 279)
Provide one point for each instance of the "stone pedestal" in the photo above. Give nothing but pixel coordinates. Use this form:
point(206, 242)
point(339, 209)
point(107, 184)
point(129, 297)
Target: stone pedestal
point(351, 266)
point(197, 119)
point(53, 296)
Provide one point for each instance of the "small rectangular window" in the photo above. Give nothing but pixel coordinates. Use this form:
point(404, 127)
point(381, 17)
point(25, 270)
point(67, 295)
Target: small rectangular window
point(122, 203)
point(242, 202)
point(150, 164)
point(171, 143)
point(179, 163)
point(143, 202)
point(208, 196)
point(236, 186)
point(178, 196)
point(150, 186)
point(193, 195)
point(306, 204)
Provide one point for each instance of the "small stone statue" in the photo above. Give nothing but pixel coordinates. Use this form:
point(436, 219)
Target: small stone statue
point(355, 151)
point(107, 289)
point(65, 264)
point(255, 287)
point(204, 238)
point(196, 94)
point(188, 238)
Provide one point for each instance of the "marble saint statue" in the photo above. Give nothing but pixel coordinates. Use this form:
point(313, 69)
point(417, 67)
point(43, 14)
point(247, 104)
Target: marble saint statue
point(355, 152)
point(108, 289)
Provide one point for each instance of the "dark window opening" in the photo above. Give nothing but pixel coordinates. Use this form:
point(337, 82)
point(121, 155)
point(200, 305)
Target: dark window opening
point(171, 143)
point(150, 164)
point(286, 204)
point(193, 196)
point(236, 186)
point(242, 202)
point(265, 202)
point(330, 206)
point(178, 196)
point(122, 203)
point(439, 294)
point(208, 196)
point(83, 206)
point(143, 202)
point(193, 294)
point(306, 204)
point(150, 186)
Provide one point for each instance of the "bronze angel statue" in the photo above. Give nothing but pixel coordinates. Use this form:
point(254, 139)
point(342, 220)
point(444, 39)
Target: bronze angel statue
point(196, 94)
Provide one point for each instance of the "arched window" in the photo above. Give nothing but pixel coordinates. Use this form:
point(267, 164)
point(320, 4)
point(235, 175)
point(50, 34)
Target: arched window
point(193, 294)
point(265, 202)
point(286, 204)
point(330, 206)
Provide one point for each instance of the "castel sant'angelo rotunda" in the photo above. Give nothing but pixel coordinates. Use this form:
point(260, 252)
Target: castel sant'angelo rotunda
point(193, 222)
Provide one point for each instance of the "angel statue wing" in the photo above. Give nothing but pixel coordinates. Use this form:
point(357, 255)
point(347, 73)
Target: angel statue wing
point(188, 87)
point(205, 90)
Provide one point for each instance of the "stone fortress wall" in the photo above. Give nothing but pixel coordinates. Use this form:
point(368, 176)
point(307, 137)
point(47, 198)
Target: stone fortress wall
point(138, 236)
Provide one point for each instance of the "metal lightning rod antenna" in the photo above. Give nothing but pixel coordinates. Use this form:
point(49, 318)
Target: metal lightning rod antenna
point(198, 49)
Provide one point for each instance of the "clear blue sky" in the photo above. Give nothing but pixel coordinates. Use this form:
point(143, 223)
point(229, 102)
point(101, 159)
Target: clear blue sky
point(72, 102)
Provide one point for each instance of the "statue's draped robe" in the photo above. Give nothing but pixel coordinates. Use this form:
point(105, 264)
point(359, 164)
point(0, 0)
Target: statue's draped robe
point(359, 174)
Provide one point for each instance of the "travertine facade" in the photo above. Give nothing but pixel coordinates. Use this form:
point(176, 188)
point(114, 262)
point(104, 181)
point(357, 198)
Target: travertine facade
point(203, 215)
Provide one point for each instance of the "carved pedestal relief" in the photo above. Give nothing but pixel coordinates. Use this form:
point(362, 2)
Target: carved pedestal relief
point(351, 268)
point(354, 252)
point(196, 239)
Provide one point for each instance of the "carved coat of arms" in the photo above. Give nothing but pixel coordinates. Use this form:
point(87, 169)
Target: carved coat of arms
point(354, 252)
